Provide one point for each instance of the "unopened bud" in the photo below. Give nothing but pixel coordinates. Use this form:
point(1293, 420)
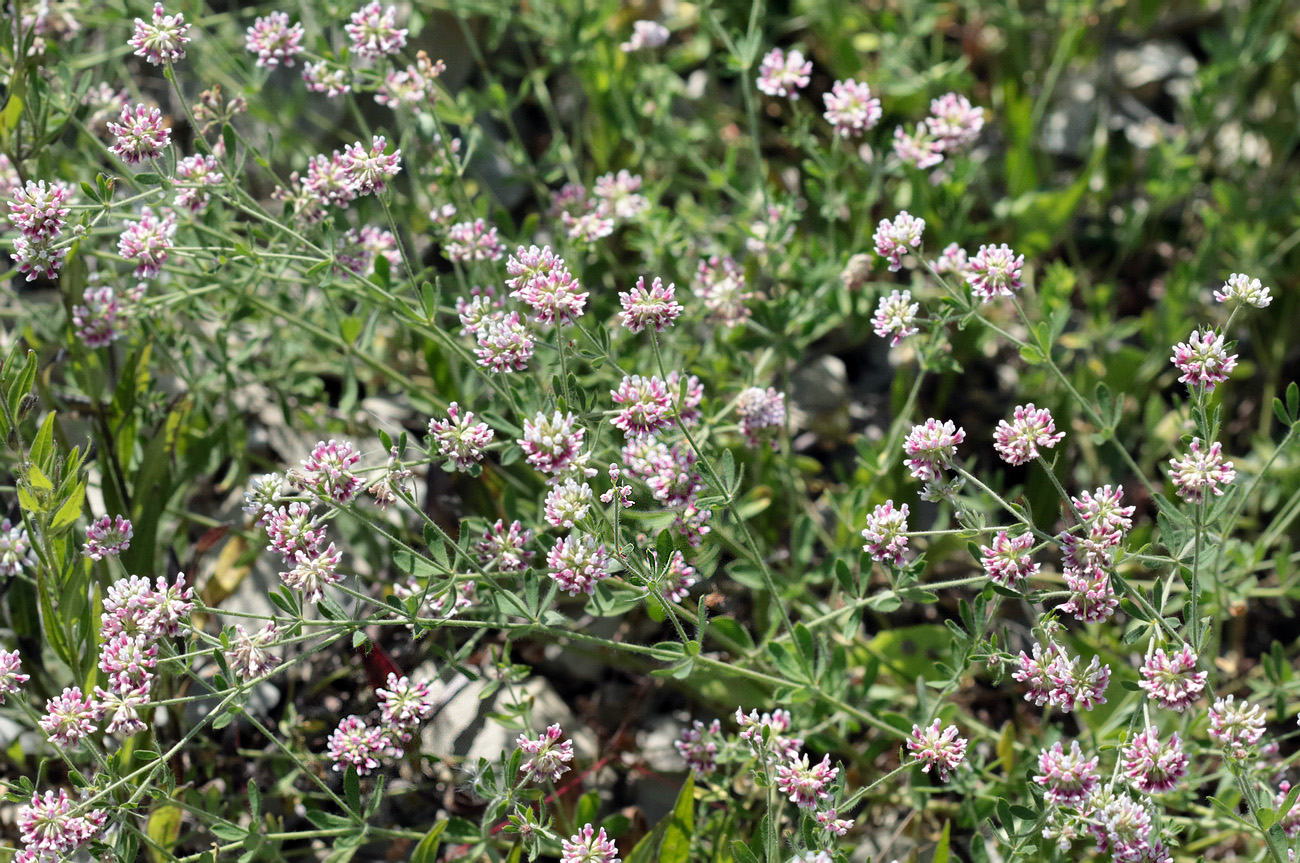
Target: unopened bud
point(856, 271)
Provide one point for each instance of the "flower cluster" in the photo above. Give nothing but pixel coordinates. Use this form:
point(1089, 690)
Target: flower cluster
point(1198, 472)
point(850, 108)
point(1054, 677)
point(1018, 441)
point(886, 533)
point(16, 552)
point(1067, 779)
point(894, 239)
point(161, 39)
point(782, 74)
point(1243, 289)
point(1171, 679)
point(1203, 360)
point(762, 414)
point(548, 756)
point(39, 212)
point(107, 537)
point(459, 438)
point(720, 285)
point(895, 317)
point(1236, 727)
point(540, 279)
point(995, 272)
point(139, 134)
point(937, 748)
point(1007, 561)
point(274, 40)
point(655, 306)
point(589, 846)
point(930, 448)
point(403, 706)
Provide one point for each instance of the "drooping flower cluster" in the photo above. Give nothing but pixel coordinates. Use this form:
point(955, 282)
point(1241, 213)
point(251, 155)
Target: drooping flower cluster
point(1203, 360)
point(886, 533)
point(1018, 441)
point(249, 656)
point(699, 745)
point(1198, 472)
point(548, 756)
point(896, 238)
point(162, 38)
point(1087, 559)
point(1171, 679)
point(1054, 677)
point(782, 74)
point(937, 748)
point(459, 438)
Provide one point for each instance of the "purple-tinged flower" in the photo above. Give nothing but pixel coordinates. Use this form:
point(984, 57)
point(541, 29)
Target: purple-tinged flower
point(775, 746)
point(686, 393)
point(460, 438)
point(481, 308)
point(392, 479)
point(292, 529)
point(618, 196)
point(919, 149)
point(1197, 472)
point(414, 85)
point(677, 578)
point(577, 562)
point(328, 472)
point(355, 744)
point(761, 413)
point(1107, 521)
point(782, 74)
point(954, 122)
point(646, 406)
point(474, 241)
point(404, 704)
point(1122, 827)
point(1007, 561)
point(805, 785)
point(162, 39)
point(274, 40)
point(68, 718)
point(128, 657)
point(942, 749)
point(698, 746)
point(263, 496)
point(851, 108)
point(51, 831)
point(16, 552)
point(321, 77)
point(1289, 821)
point(529, 264)
point(552, 444)
point(931, 447)
point(895, 317)
point(616, 490)
point(894, 239)
point(359, 248)
point(1171, 679)
point(1243, 289)
point(568, 503)
point(370, 170)
point(39, 211)
point(589, 846)
point(995, 272)
point(200, 171)
point(1204, 360)
point(38, 258)
point(587, 227)
point(645, 34)
point(249, 656)
point(1236, 726)
point(328, 181)
point(504, 345)
point(139, 135)
point(134, 606)
point(505, 548)
point(121, 704)
point(720, 285)
point(312, 571)
point(107, 536)
point(373, 31)
point(1067, 780)
point(1092, 598)
point(147, 242)
point(886, 533)
point(548, 756)
point(655, 307)
point(540, 279)
point(1053, 677)
point(953, 260)
point(99, 321)
point(11, 679)
point(1018, 441)
point(831, 822)
point(1153, 767)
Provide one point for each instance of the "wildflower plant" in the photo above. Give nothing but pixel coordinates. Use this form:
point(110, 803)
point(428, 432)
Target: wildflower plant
point(758, 410)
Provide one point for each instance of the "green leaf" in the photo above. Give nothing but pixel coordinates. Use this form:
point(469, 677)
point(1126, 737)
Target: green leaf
point(740, 852)
point(1281, 413)
point(352, 788)
point(149, 178)
point(37, 479)
point(941, 854)
point(1293, 399)
point(427, 850)
point(670, 841)
point(71, 508)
